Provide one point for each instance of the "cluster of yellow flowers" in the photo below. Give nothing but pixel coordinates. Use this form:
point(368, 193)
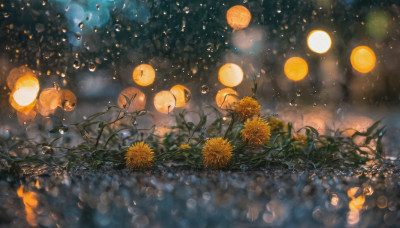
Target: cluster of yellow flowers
point(217, 152)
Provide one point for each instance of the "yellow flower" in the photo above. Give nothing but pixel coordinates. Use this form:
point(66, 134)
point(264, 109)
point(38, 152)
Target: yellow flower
point(276, 124)
point(184, 146)
point(217, 153)
point(247, 107)
point(139, 156)
point(256, 132)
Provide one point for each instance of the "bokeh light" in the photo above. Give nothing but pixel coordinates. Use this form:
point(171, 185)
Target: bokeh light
point(136, 97)
point(363, 59)
point(49, 100)
point(296, 68)
point(68, 100)
point(182, 95)
point(24, 93)
point(319, 41)
point(24, 96)
point(226, 98)
point(230, 75)
point(144, 75)
point(238, 17)
point(164, 101)
point(16, 73)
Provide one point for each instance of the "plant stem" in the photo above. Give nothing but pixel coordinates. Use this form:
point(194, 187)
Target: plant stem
point(230, 126)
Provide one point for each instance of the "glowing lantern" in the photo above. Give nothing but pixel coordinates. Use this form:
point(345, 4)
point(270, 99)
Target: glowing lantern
point(319, 41)
point(164, 101)
point(363, 59)
point(230, 75)
point(181, 94)
point(49, 100)
point(226, 98)
point(144, 75)
point(68, 100)
point(238, 17)
point(296, 68)
point(136, 97)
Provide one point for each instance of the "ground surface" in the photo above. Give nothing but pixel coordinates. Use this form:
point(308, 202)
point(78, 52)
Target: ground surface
point(189, 198)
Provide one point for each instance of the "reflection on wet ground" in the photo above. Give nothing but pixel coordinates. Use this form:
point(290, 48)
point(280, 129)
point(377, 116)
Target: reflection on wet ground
point(364, 197)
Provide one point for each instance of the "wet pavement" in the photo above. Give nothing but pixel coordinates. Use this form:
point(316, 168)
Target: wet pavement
point(175, 197)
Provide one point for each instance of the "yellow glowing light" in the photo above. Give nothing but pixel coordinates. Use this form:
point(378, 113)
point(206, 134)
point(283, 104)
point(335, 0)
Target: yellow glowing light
point(49, 100)
point(296, 68)
point(25, 96)
point(319, 41)
point(164, 101)
point(144, 75)
point(24, 92)
point(363, 59)
point(68, 100)
point(230, 75)
point(182, 95)
point(16, 73)
point(136, 98)
point(226, 98)
point(27, 81)
point(238, 17)
point(30, 202)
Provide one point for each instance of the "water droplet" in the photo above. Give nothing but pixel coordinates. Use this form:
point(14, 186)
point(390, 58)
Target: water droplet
point(91, 66)
point(63, 129)
point(186, 9)
point(117, 27)
point(204, 89)
point(298, 93)
point(81, 25)
point(278, 10)
point(98, 6)
point(78, 36)
point(77, 64)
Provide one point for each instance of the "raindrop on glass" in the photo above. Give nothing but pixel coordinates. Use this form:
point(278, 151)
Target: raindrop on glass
point(186, 9)
point(91, 66)
point(77, 64)
point(204, 89)
point(117, 27)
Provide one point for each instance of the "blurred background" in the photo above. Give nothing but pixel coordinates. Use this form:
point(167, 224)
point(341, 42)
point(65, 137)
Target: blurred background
point(325, 63)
